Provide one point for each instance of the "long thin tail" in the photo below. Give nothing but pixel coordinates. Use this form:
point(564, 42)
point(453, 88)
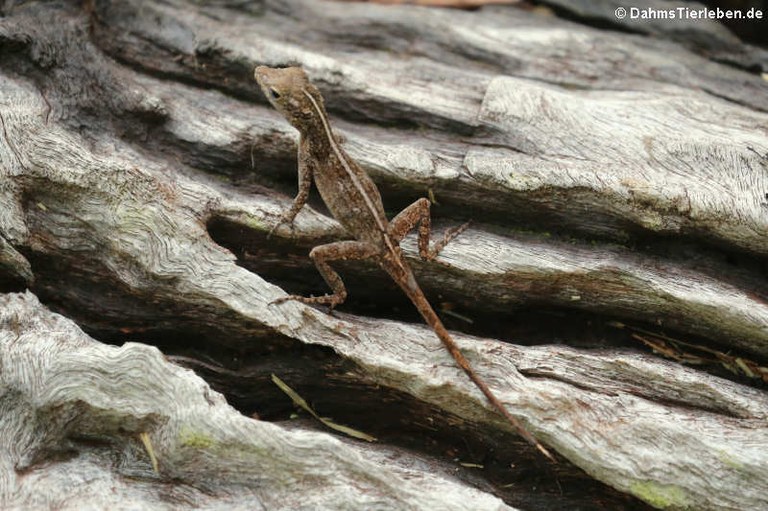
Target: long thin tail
point(416, 295)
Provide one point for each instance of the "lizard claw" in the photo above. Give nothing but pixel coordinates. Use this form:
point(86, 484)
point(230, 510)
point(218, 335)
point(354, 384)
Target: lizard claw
point(331, 301)
point(280, 300)
point(449, 236)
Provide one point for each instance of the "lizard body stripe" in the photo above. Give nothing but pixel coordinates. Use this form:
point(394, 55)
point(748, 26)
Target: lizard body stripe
point(352, 176)
point(344, 162)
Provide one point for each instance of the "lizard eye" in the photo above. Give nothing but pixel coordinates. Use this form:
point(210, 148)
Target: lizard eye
point(274, 93)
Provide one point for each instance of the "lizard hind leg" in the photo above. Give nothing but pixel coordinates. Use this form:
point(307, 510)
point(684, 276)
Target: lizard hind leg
point(321, 255)
point(418, 214)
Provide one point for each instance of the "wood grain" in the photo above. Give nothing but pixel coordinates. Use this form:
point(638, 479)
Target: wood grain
point(611, 176)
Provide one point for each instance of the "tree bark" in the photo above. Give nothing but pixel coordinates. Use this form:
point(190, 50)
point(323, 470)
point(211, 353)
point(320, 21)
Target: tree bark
point(619, 190)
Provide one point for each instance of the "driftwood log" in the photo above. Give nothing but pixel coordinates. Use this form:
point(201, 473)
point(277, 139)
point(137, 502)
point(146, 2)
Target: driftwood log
point(618, 184)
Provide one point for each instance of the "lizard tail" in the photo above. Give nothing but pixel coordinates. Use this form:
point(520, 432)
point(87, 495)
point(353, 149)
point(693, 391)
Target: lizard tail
point(416, 295)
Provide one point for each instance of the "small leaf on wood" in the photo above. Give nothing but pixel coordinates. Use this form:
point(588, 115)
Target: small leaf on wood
point(299, 401)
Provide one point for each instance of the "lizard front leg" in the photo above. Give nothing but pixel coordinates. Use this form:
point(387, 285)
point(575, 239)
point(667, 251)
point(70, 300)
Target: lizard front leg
point(305, 183)
point(338, 251)
point(418, 214)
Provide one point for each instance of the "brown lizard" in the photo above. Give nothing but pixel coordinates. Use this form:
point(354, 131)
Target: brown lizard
point(355, 202)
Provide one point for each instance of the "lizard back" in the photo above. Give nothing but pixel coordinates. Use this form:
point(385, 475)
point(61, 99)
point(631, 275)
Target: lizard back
point(351, 196)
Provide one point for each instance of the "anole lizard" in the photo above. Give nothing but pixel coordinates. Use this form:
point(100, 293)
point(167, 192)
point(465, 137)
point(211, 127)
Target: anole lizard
point(355, 202)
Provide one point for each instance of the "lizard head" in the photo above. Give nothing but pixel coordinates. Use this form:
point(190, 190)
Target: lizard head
point(291, 93)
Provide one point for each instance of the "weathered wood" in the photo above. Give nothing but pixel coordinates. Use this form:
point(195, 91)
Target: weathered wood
point(650, 155)
point(634, 191)
point(83, 405)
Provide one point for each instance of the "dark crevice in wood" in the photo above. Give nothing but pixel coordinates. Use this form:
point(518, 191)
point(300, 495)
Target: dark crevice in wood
point(373, 294)
point(656, 398)
point(512, 470)
point(211, 68)
point(726, 263)
point(103, 309)
point(208, 68)
point(689, 249)
point(11, 283)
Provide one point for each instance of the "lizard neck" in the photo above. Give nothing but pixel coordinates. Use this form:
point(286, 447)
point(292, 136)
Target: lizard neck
point(316, 126)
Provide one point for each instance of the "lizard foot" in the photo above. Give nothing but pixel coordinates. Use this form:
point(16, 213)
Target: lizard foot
point(449, 236)
point(330, 300)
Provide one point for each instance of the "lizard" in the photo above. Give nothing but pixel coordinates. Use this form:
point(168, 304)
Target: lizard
point(354, 200)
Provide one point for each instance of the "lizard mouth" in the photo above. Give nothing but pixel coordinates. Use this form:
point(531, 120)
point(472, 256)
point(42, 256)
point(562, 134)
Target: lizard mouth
point(264, 77)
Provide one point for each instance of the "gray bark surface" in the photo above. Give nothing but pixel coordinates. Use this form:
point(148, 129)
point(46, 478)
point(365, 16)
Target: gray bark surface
point(614, 179)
